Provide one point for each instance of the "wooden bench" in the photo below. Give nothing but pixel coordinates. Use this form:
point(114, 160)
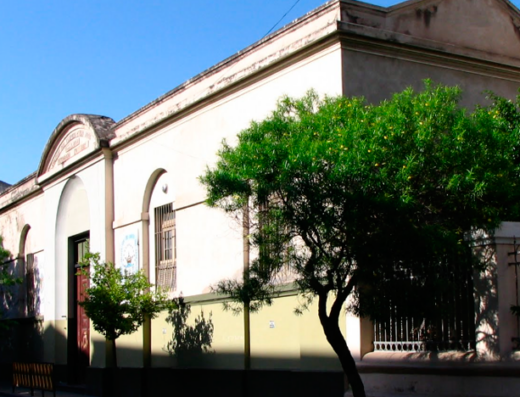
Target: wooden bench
point(38, 376)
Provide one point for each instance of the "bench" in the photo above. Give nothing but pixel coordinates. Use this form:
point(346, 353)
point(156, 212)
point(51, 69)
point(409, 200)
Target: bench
point(38, 376)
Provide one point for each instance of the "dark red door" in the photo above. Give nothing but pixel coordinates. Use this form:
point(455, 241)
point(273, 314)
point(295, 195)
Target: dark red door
point(82, 344)
point(83, 338)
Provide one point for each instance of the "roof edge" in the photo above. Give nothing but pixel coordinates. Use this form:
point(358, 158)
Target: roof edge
point(220, 65)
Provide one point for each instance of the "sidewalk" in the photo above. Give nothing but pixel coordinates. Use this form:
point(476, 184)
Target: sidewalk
point(6, 391)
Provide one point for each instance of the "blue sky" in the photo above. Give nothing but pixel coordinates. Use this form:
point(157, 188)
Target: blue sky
point(111, 57)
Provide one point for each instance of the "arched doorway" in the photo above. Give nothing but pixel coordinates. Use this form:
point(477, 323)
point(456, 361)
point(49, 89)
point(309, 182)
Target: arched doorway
point(72, 234)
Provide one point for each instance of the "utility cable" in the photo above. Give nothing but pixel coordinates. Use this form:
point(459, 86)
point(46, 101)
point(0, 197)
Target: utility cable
point(284, 15)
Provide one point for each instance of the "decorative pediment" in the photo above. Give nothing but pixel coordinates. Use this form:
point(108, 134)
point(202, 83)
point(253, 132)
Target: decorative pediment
point(74, 138)
point(75, 143)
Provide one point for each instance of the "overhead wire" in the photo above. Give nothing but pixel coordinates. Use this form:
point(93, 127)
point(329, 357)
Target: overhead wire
point(266, 34)
point(280, 20)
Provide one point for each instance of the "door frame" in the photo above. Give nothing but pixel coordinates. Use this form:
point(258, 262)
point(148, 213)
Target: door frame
point(76, 362)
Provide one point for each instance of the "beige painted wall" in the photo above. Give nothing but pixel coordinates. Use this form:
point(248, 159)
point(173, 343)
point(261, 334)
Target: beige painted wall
point(377, 76)
point(283, 340)
point(227, 345)
point(280, 339)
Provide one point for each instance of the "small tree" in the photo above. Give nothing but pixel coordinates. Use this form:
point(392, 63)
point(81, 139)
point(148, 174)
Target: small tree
point(118, 302)
point(355, 198)
point(7, 281)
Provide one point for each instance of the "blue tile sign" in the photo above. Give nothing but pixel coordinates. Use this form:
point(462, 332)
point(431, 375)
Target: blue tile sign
point(130, 253)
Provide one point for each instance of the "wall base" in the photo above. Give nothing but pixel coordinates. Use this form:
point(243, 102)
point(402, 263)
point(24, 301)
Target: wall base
point(137, 382)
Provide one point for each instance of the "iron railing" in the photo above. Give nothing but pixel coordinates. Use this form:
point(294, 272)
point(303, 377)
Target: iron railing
point(165, 248)
point(447, 323)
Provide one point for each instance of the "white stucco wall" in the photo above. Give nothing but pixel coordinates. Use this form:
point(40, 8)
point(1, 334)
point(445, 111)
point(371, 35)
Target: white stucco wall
point(209, 247)
point(27, 216)
point(72, 206)
point(12, 222)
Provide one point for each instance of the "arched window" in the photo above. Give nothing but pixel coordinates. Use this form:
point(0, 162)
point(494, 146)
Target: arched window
point(165, 247)
point(29, 291)
point(162, 236)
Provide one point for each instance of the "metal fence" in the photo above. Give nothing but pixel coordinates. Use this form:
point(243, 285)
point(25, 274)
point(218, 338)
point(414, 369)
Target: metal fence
point(448, 323)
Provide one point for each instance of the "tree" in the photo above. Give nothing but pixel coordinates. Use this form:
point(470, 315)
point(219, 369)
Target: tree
point(7, 281)
point(118, 302)
point(354, 197)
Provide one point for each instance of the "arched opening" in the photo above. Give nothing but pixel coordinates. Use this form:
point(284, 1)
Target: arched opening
point(72, 234)
point(162, 240)
point(158, 191)
point(30, 325)
point(27, 261)
point(21, 271)
point(150, 185)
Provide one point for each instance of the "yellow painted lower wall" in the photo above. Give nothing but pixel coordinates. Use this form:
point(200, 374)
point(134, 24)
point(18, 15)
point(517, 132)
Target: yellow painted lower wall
point(210, 337)
point(130, 349)
point(60, 342)
point(222, 329)
point(97, 348)
point(280, 339)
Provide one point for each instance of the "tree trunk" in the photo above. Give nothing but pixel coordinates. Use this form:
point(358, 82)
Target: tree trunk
point(113, 382)
point(337, 341)
point(114, 352)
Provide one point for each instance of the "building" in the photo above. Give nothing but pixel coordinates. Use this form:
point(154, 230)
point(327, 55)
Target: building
point(129, 186)
point(3, 186)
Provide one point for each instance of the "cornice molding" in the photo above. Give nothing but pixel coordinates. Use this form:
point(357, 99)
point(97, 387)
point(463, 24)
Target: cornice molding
point(428, 56)
point(321, 44)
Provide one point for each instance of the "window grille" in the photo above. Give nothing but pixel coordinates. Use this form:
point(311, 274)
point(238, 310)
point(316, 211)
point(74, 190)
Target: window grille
point(448, 324)
point(165, 255)
point(274, 248)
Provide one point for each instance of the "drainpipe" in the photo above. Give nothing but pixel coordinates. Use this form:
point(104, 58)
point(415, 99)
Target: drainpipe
point(147, 325)
point(247, 325)
point(109, 230)
point(109, 202)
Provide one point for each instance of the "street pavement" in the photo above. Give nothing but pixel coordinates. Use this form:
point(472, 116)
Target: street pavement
point(6, 391)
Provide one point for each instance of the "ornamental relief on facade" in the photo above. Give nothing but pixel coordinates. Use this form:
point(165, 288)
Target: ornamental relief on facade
point(75, 143)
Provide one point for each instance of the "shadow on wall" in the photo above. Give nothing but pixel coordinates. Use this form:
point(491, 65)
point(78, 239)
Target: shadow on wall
point(198, 370)
point(23, 341)
point(190, 346)
point(22, 300)
point(21, 326)
point(12, 297)
point(486, 301)
point(33, 287)
point(189, 342)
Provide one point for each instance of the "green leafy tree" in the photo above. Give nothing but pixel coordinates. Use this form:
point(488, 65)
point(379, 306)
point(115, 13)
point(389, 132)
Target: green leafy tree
point(354, 198)
point(7, 281)
point(118, 302)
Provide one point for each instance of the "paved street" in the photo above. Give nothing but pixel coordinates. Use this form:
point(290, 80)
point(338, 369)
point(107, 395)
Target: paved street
point(5, 390)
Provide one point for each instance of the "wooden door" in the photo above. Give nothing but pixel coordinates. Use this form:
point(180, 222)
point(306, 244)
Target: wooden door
point(82, 321)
